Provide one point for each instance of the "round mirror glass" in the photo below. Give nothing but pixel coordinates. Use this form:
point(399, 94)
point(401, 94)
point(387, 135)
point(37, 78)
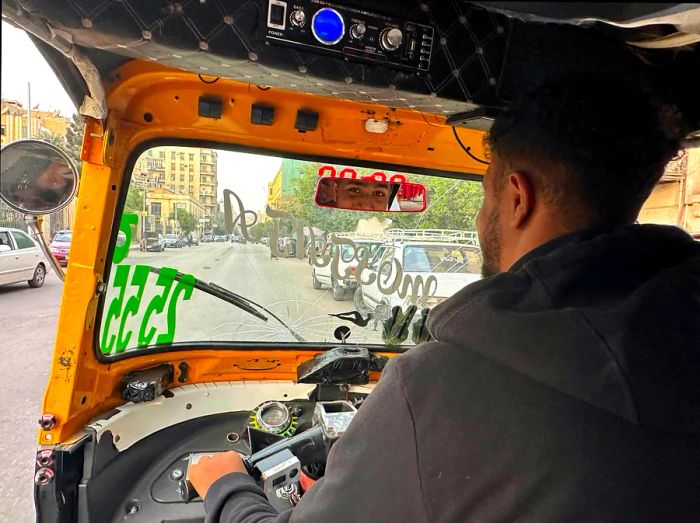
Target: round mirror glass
point(36, 177)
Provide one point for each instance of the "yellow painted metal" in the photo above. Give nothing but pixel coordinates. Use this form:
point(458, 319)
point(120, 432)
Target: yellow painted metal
point(150, 102)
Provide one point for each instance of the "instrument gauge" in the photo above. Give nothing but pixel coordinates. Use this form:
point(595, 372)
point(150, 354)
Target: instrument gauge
point(273, 417)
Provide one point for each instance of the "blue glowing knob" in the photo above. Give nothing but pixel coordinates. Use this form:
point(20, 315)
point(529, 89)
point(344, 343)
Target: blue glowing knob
point(327, 26)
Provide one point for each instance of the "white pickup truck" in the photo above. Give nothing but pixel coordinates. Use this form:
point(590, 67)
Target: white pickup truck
point(418, 267)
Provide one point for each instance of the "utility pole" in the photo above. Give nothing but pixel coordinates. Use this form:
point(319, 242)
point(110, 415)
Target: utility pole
point(145, 212)
point(29, 110)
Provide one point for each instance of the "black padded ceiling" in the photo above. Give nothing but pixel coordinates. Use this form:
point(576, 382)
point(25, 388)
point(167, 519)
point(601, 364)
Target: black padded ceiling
point(479, 57)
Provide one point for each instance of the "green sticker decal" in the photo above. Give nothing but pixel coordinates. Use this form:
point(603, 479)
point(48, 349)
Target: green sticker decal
point(166, 277)
point(165, 303)
point(127, 223)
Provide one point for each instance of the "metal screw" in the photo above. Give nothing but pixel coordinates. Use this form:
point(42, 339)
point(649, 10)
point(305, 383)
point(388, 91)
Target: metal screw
point(44, 476)
point(176, 474)
point(47, 421)
point(45, 458)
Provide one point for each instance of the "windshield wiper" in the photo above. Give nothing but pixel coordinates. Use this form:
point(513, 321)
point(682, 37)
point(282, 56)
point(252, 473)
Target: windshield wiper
point(237, 300)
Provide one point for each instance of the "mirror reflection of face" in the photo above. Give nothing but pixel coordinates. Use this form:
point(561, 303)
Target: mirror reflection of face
point(36, 180)
point(364, 195)
point(49, 189)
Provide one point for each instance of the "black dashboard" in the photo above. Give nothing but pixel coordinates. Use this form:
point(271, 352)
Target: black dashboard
point(148, 482)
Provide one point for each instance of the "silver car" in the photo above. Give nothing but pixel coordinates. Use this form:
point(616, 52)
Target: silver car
point(21, 259)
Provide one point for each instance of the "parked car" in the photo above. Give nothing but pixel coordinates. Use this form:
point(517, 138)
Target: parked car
point(452, 257)
point(173, 240)
point(154, 242)
point(319, 245)
point(345, 287)
point(21, 259)
point(265, 241)
point(207, 238)
point(60, 246)
point(219, 238)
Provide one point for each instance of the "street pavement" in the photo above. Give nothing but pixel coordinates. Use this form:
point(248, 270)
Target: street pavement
point(27, 330)
point(28, 326)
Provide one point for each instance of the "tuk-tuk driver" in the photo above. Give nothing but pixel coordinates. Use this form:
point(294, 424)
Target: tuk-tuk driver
point(561, 387)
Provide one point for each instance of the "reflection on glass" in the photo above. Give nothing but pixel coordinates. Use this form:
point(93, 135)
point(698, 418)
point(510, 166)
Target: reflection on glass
point(370, 195)
point(36, 178)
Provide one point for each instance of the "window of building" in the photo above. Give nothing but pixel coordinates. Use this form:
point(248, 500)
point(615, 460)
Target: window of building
point(191, 179)
point(172, 155)
point(172, 177)
point(182, 156)
point(155, 208)
point(172, 166)
point(161, 154)
point(191, 157)
point(182, 177)
point(182, 188)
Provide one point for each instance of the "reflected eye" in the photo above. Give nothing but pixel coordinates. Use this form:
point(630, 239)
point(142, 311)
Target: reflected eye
point(353, 189)
point(379, 194)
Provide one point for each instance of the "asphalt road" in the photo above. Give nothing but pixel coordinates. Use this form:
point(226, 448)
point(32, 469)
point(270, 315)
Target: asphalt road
point(27, 330)
point(28, 325)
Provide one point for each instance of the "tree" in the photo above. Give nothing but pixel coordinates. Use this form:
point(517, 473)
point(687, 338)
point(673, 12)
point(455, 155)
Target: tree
point(74, 139)
point(134, 200)
point(188, 222)
point(452, 204)
point(54, 138)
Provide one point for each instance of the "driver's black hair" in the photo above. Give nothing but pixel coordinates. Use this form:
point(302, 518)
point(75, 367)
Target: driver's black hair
point(595, 145)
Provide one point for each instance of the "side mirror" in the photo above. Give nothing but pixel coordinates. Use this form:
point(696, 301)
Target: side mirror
point(370, 195)
point(36, 177)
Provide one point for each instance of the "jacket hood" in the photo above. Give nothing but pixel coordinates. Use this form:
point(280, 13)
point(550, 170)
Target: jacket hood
point(611, 317)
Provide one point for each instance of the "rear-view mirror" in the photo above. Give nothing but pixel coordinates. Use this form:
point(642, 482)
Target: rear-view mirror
point(370, 195)
point(36, 177)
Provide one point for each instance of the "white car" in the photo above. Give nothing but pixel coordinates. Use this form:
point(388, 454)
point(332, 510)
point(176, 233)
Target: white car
point(344, 287)
point(452, 258)
point(21, 259)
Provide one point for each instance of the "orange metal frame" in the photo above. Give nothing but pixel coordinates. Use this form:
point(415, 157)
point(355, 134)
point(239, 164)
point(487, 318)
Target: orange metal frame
point(80, 387)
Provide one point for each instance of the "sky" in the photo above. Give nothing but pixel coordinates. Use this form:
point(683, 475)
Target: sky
point(22, 63)
point(247, 175)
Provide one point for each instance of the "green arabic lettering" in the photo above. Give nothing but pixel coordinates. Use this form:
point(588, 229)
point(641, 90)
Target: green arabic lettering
point(138, 280)
point(184, 285)
point(166, 277)
point(128, 221)
point(121, 277)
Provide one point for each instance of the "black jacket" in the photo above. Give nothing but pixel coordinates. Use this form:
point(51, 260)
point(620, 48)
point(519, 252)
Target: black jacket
point(566, 389)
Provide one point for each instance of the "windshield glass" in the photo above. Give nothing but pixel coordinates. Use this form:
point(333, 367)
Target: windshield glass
point(270, 265)
point(62, 237)
point(441, 258)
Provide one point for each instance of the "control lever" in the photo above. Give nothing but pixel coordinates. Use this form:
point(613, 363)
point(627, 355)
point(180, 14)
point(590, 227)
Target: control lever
point(309, 446)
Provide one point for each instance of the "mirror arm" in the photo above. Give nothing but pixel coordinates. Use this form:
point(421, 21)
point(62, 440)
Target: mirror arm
point(33, 223)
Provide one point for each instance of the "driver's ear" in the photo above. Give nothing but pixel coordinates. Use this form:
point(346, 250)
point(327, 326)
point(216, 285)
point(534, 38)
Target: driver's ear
point(518, 199)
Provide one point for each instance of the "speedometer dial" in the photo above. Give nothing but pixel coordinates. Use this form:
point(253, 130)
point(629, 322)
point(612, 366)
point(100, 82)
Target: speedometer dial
point(273, 417)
